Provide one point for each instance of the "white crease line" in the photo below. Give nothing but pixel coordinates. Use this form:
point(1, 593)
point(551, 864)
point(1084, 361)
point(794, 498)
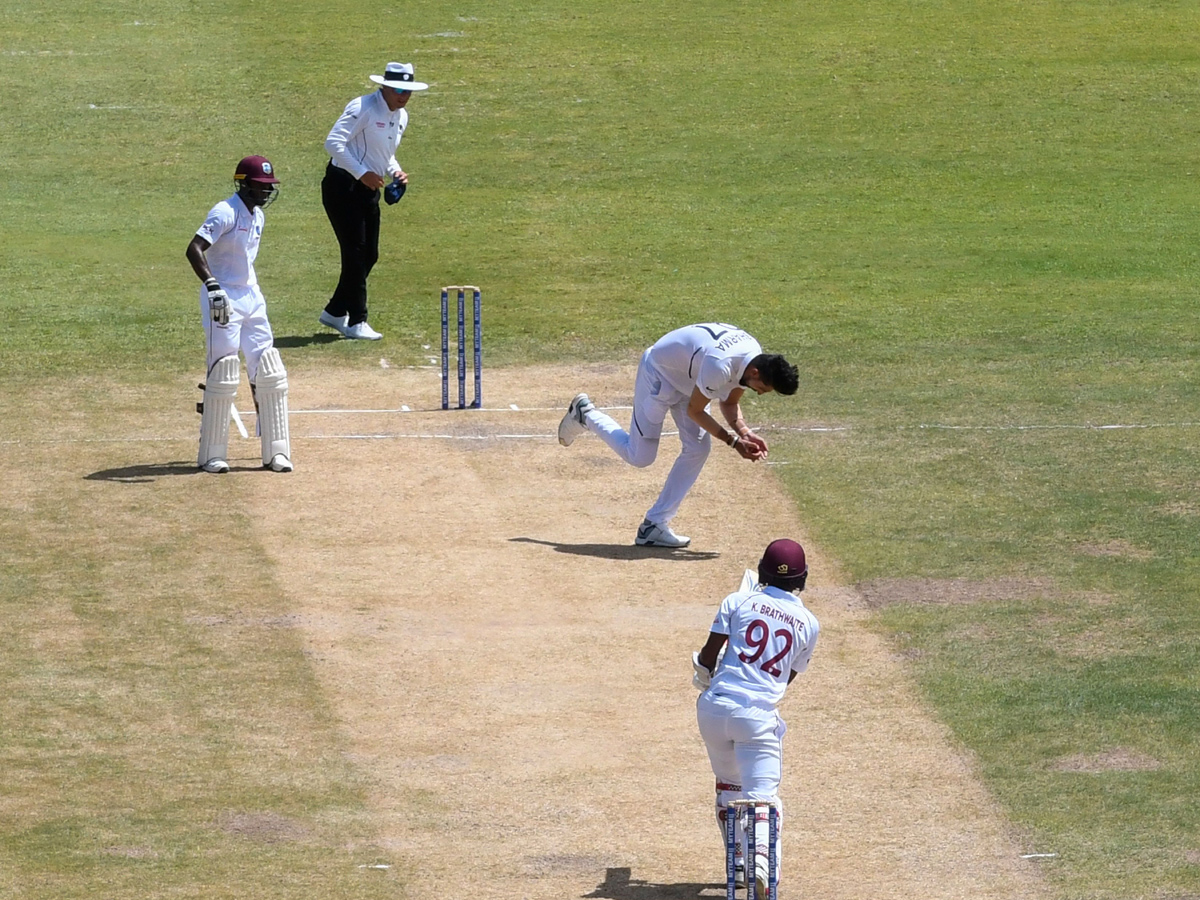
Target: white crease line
point(124, 440)
point(819, 429)
point(1086, 427)
point(406, 409)
point(388, 436)
point(803, 429)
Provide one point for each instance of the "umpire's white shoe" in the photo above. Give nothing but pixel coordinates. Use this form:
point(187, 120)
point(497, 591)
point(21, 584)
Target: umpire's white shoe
point(216, 466)
point(651, 535)
point(572, 424)
point(334, 322)
point(279, 463)
point(362, 332)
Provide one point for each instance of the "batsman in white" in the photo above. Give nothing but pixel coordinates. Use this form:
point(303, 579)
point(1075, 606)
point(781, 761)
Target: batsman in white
point(234, 313)
point(771, 637)
point(682, 373)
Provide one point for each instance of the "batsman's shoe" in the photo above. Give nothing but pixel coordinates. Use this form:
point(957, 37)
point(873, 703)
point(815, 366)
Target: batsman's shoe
point(362, 332)
point(334, 322)
point(572, 424)
point(651, 535)
point(279, 463)
point(739, 874)
point(216, 466)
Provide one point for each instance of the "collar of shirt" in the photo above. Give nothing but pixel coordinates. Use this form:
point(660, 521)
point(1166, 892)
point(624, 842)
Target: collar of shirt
point(379, 107)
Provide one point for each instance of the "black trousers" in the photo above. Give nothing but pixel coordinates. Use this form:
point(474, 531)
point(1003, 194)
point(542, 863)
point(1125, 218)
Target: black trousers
point(353, 211)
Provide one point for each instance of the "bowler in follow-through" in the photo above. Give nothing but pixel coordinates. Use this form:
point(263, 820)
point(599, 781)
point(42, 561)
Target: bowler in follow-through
point(681, 374)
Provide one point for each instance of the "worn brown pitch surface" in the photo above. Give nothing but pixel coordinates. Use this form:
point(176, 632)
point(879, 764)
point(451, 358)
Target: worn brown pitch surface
point(515, 677)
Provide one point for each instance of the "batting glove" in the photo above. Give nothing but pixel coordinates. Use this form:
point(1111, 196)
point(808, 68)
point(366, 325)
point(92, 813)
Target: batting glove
point(218, 302)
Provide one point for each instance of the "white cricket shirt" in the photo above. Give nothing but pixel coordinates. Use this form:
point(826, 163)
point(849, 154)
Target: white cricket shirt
point(365, 137)
point(712, 357)
point(234, 233)
point(771, 634)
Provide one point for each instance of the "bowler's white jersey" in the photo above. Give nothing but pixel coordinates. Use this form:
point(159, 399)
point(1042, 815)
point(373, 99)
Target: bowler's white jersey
point(771, 634)
point(234, 233)
point(712, 357)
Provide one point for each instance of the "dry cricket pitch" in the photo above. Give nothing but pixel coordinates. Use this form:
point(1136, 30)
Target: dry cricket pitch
point(514, 676)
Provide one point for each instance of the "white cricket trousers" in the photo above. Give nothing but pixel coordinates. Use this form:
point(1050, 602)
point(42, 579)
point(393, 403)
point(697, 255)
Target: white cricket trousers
point(745, 748)
point(248, 329)
point(653, 398)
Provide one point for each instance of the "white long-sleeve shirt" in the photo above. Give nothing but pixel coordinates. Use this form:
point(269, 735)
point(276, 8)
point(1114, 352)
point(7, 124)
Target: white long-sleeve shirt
point(365, 137)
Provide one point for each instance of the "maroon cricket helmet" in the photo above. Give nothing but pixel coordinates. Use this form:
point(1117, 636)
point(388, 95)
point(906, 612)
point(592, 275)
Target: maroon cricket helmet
point(256, 168)
point(783, 565)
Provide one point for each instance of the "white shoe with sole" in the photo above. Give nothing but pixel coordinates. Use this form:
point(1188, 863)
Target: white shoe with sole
point(362, 332)
point(216, 466)
point(279, 463)
point(333, 322)
point(572, 424)
point(651, 535)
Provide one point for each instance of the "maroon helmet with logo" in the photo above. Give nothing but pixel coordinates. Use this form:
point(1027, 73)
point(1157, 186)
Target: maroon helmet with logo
point(255, 181)
point(783, 565)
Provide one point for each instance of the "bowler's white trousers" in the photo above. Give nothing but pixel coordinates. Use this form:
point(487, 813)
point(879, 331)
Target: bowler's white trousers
point(653, 398)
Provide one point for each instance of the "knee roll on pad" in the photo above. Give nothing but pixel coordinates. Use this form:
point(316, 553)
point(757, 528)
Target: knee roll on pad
point(270, 391)
point(220, 387)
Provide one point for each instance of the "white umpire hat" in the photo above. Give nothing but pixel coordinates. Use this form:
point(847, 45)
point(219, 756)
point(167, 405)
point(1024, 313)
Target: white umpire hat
point(399, 76)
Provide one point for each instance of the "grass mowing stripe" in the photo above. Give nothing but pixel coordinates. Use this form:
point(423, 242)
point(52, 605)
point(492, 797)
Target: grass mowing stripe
point(161, 725)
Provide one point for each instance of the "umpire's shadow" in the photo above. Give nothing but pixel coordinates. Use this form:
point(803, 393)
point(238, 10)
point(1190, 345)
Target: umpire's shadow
point(619, 885)
point(621, 551)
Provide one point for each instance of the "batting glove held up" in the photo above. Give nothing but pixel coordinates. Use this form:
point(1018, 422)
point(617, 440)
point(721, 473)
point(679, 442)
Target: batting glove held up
point(218, 302)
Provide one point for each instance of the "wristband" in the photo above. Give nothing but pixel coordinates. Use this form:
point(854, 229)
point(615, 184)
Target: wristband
point(212, 284)
point(737, 438)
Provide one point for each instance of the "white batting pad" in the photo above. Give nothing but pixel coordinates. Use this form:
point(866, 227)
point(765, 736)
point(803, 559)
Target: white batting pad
point(270, 388)
point(220, 387)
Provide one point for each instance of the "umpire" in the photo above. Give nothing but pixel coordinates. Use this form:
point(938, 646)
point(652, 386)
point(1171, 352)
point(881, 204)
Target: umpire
point(362, 148)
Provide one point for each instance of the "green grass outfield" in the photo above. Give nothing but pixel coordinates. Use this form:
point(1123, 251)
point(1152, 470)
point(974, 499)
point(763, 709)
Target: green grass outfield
point(974, 223)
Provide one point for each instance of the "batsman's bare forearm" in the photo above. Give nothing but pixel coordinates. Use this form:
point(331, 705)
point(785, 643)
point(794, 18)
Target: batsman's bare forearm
point(711, 649)
point(196, 256)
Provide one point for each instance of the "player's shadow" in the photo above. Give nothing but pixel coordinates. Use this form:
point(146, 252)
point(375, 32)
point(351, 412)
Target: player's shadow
point(618, 885)
point(152, 472)
point(306, 340)
point(621, 551)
